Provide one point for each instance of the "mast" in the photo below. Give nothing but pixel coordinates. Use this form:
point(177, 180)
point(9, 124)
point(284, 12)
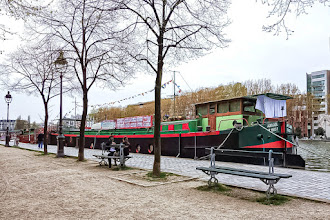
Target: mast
point(174, 93)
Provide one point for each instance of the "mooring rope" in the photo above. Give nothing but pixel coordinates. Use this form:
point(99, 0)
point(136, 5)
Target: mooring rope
point(207, 156)
point(294, 143)
point(225, 139)
point(278, 135)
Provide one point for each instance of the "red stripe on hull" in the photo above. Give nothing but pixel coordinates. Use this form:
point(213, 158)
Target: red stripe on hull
point(275, 144)
point(192, 134)
point(209, 133)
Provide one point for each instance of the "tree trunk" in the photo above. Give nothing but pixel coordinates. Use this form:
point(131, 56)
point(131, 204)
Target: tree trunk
point(157, 138)
point(82, 127)
point(46, 129)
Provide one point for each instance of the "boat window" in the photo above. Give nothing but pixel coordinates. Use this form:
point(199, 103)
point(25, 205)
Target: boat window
point(249, 109)
point(212, 109)
point(202, 110)
point(248, 106)
point(223, 107)
point(234, 106)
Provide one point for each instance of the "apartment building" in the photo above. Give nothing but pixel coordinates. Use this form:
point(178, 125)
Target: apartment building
point(318, 84)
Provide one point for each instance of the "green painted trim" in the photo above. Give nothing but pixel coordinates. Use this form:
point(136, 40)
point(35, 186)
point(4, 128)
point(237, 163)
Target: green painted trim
point(227, 121)
point(193, 126)
point(205, 123)
point(253, 118)
point(164, 127)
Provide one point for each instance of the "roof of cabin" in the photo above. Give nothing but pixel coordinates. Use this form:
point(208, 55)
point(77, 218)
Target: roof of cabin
point(273, 96)
point(254, 97)
point(221, 100)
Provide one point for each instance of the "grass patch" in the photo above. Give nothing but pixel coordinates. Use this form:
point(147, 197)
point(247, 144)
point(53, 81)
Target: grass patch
point(273, 200)
point(245, 194)
point(41, 153)
point(163, 176)
point(214, 188)
point(118, 168)
point(78, 161)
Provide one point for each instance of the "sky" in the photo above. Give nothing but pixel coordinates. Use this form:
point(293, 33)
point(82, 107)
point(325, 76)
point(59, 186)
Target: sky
point(252, 54)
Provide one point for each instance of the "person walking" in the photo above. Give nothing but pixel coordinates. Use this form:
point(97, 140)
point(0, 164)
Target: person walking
point(127, 146)
point(112, 150)
point(40, 140)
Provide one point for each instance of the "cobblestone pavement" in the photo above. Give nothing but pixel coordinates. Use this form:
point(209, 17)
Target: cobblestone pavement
point(306, 184)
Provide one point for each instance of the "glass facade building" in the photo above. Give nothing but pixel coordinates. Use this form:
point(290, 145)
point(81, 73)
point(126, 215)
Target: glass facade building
point(318, 84)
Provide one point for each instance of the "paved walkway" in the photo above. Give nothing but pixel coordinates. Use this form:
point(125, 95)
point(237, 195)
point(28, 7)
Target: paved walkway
point(306, 184)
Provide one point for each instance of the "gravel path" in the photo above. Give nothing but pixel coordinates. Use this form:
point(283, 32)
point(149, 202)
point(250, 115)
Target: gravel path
point(45, 187)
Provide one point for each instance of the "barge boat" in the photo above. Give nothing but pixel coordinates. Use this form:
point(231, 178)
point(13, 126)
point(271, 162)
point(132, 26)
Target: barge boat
point(234, 125)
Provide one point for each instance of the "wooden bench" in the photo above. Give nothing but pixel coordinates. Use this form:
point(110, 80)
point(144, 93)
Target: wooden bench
point(121, 158)
point(269, 178)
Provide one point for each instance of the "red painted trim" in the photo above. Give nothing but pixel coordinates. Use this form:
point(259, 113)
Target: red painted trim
point(185, 126)
point(98, 136)
point(70, 135)
point(283, 127)
point(275, 144)
point(209, 133)
point(191, 134)
point(170, 127)
point(66, 135)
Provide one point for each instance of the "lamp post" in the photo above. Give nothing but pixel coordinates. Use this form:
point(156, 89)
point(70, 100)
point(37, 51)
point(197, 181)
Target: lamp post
point(325, 128)
point(60, 65)
point(8, 99)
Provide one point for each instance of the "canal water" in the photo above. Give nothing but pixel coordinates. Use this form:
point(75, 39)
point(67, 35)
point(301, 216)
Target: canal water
point(316, 154)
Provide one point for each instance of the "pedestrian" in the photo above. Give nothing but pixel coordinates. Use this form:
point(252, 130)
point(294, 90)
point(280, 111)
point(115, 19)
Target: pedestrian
point(112, 151)
point(40, 140)
point(126, 146)
point(138, 148)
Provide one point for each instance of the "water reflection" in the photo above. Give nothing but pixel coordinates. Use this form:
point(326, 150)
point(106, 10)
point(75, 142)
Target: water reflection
point(316, 155)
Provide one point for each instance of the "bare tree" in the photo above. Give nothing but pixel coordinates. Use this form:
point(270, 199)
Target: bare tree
point(93, 46)
point(32, 71)
point(258, 86)
point(170, 31)
point(280, 9)
point(18, 9)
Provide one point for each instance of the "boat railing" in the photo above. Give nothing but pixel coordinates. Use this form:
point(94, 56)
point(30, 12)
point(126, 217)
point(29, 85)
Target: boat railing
point(233, 119)
point(95, 138)
point(176, 130)
point(272, 119)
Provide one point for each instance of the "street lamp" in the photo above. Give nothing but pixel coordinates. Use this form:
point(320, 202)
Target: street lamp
point(60, 65)
point(325, 128)
point(8, 99)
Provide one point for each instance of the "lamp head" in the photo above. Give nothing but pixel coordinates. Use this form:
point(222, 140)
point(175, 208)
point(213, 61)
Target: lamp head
point(8, 98)
point(60, 62)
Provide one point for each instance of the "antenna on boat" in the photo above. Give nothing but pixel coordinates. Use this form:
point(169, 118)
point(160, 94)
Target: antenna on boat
point(173, 91)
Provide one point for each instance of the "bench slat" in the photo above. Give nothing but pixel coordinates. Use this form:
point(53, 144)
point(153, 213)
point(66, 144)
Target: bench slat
point(256, 172)
point(238, 173)
point(244, 153)
point(112, 157)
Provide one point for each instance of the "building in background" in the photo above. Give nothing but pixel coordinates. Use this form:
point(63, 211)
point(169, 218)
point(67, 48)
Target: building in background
point(74, 122)
point(299, 120)
point(318, 84)
point(4, 123)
